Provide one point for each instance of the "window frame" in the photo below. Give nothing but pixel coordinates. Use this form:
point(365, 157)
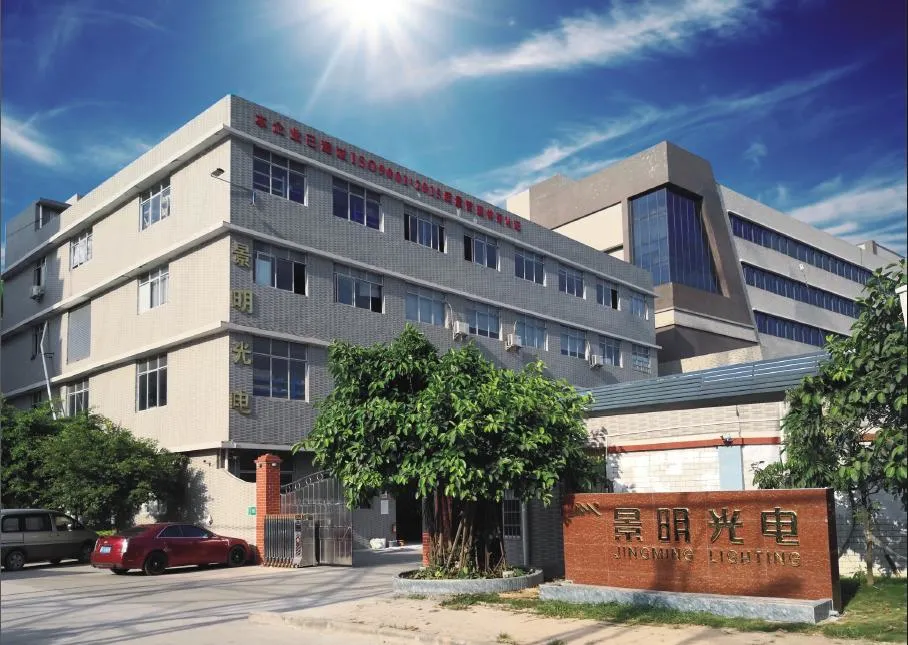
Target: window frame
point(474, 313)
point(82, 240)
point(639, 306)
point(157, 198)
point(368, 197)
point(291, 170)
point(604, 288)
point(614, 357)
point(144, 368)
point(37, 332)
point(568, 334)
point(523, 258)
point(534, 323)
point(436, 230)
point(473, 240)
point(77, 397)
point(358, 277)
point(434, 298)
point(292, 358)
point(275, 255)
point(39, 273)
point(159, 277)
point(639, 353)
point(511, 518)
point(568, 276)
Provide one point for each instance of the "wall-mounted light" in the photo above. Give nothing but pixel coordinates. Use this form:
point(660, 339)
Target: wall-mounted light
point(216, 174)
point(727, 439)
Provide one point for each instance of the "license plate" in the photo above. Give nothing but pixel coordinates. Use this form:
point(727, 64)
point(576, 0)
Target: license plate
point(104, 549)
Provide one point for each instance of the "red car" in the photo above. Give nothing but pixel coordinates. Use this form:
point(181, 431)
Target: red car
point(156, 547)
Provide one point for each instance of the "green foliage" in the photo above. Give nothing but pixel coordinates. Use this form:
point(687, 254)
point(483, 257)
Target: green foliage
point(775, 475)
point(83, 464)
point(861, 389)
point(458, 429)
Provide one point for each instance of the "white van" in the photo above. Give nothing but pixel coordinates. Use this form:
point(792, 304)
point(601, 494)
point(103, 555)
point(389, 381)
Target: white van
point(40, 535)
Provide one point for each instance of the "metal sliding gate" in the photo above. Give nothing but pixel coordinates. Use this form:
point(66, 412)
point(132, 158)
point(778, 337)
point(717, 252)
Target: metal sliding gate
point(314, 526)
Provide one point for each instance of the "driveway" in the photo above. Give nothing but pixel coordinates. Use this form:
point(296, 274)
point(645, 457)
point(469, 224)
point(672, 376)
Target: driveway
point(78, 604)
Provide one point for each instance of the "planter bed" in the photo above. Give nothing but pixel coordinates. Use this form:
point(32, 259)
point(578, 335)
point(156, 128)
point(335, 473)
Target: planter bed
point(456, 586)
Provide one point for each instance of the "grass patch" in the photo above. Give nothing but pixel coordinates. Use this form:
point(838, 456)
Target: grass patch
point(872, 613)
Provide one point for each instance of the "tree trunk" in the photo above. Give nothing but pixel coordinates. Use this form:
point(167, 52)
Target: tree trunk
point(866, 518)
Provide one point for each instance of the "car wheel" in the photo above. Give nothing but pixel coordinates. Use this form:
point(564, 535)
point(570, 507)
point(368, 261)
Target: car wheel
point(85, 552)
point(56, 561)
point(236, 557)
point(14, 560)
point(155, 564)
point(119, 572)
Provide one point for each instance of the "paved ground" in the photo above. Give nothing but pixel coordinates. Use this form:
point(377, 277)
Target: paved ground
point(77, 604)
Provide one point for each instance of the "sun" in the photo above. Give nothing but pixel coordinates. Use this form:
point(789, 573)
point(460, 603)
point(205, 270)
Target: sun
point(373, 15)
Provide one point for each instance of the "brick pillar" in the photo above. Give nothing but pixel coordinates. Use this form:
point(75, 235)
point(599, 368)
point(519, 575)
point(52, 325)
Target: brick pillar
point(425, 548)
point(267, 496)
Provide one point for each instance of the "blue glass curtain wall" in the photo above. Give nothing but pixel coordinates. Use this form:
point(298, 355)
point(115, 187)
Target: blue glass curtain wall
point(670, 241)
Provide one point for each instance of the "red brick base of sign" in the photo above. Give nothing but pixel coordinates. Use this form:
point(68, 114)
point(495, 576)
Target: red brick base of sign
point(425, 548)
point(267, 498)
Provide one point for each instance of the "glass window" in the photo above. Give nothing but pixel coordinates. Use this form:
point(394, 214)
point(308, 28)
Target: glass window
point(639, 306)
point(77, 397)
point(355, 203)
point(154, 204)
point(277, 175)
point(641, 359)
point(43, 215)
point(173, 531)
point(529, 266)
point(531, 331)
point(11, 524)
point(670, 239)
point(570, 281)
point(279, 369)
point(510, 518)
point(610, 349)
point(279, 268)
point(425, 229)
point(607, 294)
point(39, 274)
point(481, 249)
point(37, 522)
point(573, 343)
point(153, 288)
point(151, 383)
point(425, 305)
point(484, 321)
point(356, 288)
point(80, 249)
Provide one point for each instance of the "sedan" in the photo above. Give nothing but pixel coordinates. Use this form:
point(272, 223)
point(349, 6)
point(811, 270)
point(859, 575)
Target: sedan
point(156, 547)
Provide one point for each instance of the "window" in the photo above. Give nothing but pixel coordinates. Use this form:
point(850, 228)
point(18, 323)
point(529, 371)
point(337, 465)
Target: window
point(570, 281)
point(43, 216)
point(77, 398)
point(792, 330)
point(173, 531)
point(425, 229)
point(610, 348)
point(153, 288)
point(641, 359)
point(39, 275)
point(359, 289)
point(758, 234)
point(529, 266)
point(11, 524)
point(425, 305)
point(510, 517)
point(37, 398)
point(151, 385)
point(80, 249)
point(532, 332)
point(355, 203)
point(65, 523)
point(481, 249)
point(796, 290)
point(278, 369)
point(37, 522)
point(607, 294)
point(279, 268)
point(192, 531)
point(670, 239)
point(639, 306)
point(484, 321)
point(37, 332)
point(573, 343)
point(278, 175)
point(155, 203)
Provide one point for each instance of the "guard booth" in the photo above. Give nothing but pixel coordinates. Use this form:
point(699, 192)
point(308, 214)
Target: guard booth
point(305, 523)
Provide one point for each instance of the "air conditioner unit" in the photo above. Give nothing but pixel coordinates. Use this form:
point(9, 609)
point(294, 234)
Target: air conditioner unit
point(514, 342)
point(461, 329)
point(37, 291)
point(596, 361)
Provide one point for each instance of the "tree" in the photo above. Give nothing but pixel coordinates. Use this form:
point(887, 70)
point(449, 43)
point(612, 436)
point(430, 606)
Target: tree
point(84, 464)
point(458, 429)
point(846, 426)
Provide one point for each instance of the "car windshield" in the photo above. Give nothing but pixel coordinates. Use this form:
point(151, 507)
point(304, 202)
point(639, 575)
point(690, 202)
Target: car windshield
point(133, 531)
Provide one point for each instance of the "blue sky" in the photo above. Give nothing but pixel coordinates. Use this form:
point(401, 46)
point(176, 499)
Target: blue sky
point(798, 103)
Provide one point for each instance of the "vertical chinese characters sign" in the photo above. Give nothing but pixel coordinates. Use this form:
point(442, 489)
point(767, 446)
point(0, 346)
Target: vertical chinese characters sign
point(241, 300)
point(774, 543)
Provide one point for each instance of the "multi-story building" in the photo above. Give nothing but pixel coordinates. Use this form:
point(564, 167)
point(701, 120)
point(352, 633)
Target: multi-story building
point(735, 280)
point(192, 296)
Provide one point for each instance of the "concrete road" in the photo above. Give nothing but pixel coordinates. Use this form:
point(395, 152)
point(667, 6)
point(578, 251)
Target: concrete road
point(77, 604)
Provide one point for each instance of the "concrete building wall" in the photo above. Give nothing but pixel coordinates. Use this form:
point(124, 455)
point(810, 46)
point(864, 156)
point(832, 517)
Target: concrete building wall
point(18, 305)
point(20, 367)
point(196, 414)
point(602, 230)
point(708, 361)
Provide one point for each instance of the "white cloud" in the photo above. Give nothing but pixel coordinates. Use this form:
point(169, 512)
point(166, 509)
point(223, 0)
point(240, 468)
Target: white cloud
point(70, 19)
point(627, 31)
point(647, 123)
point(22, 138)
point(781, 193)
point(755, 153)
point(829, 186)
point(113, 155)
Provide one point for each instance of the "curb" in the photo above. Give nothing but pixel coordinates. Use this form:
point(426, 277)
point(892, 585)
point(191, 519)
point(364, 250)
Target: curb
point(323, 625)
